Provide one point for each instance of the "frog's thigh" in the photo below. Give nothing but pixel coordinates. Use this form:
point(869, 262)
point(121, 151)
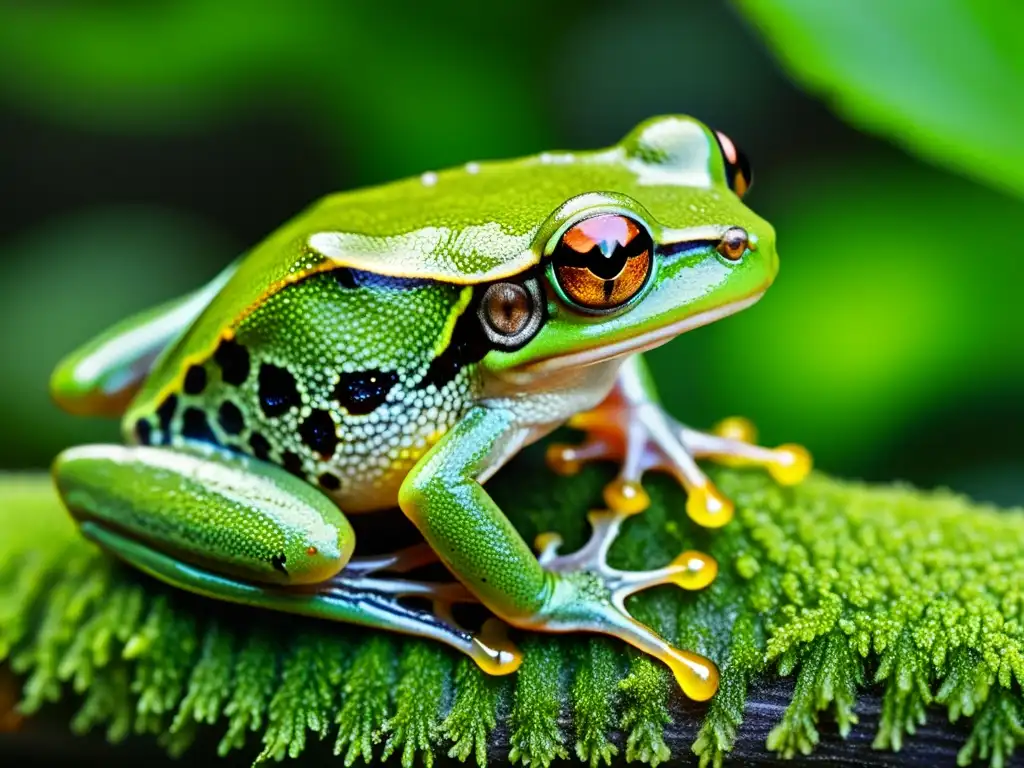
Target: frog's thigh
point(232, 528)
point(443, 497)
point(99, 378)
point(220, 512)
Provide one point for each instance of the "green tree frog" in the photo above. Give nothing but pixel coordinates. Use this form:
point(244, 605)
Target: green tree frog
point(396, 346)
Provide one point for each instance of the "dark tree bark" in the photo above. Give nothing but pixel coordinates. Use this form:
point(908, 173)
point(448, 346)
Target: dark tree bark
point(47, 741)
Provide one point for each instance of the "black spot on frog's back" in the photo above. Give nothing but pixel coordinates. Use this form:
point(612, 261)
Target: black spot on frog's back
point(165, 416)
point(195, 426)
point(230, 418)
point(329, 481)
point(292, 462)
point(278, 392)
point(363, 392)
point(234, 362)
point(195, 380)
point(260, 446)
point(319, 433)
point(144, 432)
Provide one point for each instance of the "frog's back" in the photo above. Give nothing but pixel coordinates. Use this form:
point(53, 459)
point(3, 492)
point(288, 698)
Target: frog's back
point(367, 287)
point(343, 377)
point(463, 226)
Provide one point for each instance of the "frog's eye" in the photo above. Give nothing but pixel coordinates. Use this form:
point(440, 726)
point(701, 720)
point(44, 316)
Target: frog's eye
point(603, 262)
point(511, 313)
point(737, 167)
point(734, 243)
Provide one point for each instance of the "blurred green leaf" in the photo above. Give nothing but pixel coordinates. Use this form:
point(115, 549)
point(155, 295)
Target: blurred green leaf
point(943, 78)
point(70, 278)
point(384, 96)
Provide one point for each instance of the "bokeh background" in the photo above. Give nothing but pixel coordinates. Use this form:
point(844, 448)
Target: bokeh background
point(144, 145)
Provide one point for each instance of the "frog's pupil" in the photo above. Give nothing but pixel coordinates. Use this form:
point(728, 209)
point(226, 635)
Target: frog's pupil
point(603, 244)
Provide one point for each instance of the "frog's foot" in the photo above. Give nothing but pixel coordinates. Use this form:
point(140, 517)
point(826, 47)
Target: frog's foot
point(639, 434)
point(590, 595)
point(490, 648)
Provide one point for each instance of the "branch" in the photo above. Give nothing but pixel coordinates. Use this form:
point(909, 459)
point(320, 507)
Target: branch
point(882, 611)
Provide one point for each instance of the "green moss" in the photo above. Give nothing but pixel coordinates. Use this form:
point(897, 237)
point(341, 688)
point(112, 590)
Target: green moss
point(841, 586)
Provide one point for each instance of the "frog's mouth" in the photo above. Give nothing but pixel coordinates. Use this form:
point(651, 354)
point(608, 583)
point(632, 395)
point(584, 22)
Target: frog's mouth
point(641, 343)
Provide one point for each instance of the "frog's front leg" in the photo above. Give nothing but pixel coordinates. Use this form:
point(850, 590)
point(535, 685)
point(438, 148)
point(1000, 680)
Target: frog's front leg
point(444, 497)
point(101, 377)
point(631, 426)
point(233, 528)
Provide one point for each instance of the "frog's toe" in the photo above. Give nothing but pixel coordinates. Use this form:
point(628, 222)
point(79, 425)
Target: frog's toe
point(590, 595)
point(382, 599)
point(641, 437)
point(547, 545)
point(731, 442)
point(493, 652)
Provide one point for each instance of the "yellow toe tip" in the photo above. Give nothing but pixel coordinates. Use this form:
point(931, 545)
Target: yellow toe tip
point(697, 676)
point(493, 652)
point(709, 507)
point(627, 497)
point(561, 459)
point(697, 570)
point(736, 428)
point(792, 464)
point(545, 541)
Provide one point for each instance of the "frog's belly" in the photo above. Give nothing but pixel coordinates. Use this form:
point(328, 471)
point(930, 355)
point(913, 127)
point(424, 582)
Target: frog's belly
point(374, 457)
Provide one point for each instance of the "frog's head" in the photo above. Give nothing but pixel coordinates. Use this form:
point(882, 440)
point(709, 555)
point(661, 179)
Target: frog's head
point(658, 243)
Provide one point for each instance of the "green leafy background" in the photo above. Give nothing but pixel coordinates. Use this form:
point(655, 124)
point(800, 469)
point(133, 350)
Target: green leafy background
point(143, 145)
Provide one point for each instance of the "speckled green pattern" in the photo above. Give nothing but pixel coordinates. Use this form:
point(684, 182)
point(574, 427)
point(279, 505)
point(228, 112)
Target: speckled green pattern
point(249, 519)
point(838, 584)
point(327, 379)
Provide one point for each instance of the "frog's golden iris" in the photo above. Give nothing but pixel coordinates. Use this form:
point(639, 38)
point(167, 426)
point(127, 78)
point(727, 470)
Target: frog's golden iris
point(603, 261)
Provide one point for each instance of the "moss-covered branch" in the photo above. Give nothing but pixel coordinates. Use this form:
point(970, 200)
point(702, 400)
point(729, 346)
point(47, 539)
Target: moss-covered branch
point(880, 599)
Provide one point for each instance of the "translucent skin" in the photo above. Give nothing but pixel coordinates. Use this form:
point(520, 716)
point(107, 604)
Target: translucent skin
point(350, 348)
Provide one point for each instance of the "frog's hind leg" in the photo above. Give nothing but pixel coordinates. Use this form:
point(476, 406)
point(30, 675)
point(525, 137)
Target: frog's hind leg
point(631, 427)
point(233, 528)
point(690, 570)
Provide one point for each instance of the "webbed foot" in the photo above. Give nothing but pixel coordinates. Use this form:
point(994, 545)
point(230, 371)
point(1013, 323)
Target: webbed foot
point(590, 595)
point(490, 648)
point(633, 429)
